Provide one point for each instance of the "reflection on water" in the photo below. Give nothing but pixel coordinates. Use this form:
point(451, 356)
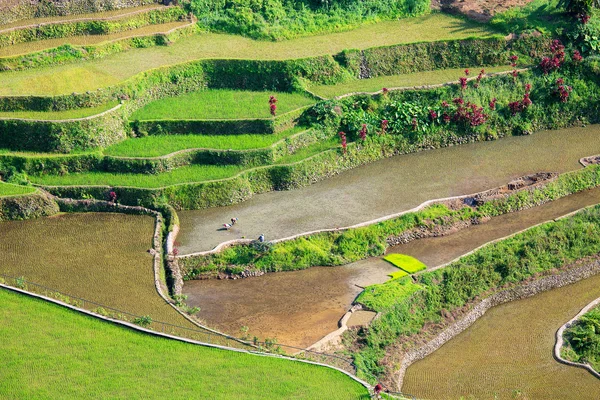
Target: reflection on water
point(390, 186)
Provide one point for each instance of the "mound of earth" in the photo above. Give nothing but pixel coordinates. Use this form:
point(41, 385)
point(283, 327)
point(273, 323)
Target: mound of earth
point(478, 10)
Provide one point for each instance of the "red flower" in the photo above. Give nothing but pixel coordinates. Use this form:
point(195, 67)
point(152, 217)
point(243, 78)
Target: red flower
point(112, 196)
point(513, 61)
point(583, 18)
point(363, 132)
point(273, 108)
point(527, 87)
point(445, 104)
point(467, 72)
point(344, 143)
point(463, 82)
point(493, 104)
point(384, 126)
point(272, 100)
point(577, 56)
point(432, 114)
point(385, 91)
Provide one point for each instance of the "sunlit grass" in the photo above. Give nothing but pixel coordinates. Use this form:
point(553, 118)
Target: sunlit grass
point(221, 104)
point(52, 352)
point(59, 115)
point(404, 80)
point(93, 74)
point(309, 151)
point(7, 189)
point(192, 173)
point(160, 145)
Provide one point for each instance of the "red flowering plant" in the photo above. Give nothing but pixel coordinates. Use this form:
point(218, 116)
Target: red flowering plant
point(519, 106)
point(112, 196)
point(549, 64)
point(562, 91)
point(576, 57)
point(273, 105)
point(384, 91)
point(479, 78)
point(384, 126)
point(363, 132)
point(462, 81)
point(492, 103)
point(344, 141)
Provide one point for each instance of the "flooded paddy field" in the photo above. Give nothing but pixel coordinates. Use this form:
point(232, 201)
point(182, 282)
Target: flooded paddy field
point(507, 353)
point(297, 308)
point(390, 186)
point(300, 307)
point(100, 257)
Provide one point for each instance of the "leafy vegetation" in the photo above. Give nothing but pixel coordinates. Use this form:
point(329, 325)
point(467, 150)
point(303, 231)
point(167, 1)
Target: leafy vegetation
point(583, 339)
point(541, 15)
point(538, 251)
point(42, 341)
point(220, 104)
point(382, 296)
point(282, 19)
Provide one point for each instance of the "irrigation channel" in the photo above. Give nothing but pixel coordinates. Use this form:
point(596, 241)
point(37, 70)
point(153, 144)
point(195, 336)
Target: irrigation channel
point(389, 186)
point(300, 307)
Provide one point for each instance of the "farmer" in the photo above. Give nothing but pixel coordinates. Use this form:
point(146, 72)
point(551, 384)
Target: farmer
point(227, 226)
point(234, 221)
point(378, 389)
point(261, 238)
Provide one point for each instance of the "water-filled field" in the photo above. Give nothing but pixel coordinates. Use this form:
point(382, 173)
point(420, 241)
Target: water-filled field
point(507, 354)
point(401, 183)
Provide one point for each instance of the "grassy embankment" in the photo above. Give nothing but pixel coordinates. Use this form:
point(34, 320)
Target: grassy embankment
point(52, 352)
point(582, 340)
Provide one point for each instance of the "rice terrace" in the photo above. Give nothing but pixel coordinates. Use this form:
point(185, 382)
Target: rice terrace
point(300, 199)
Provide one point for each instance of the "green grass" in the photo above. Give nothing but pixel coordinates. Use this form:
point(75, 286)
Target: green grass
point(541, 15)
point(582, 339)
point(404, 80)
point(8, 189)
point(221, 104)
point(111, 70)
point(192, 173)
point(382, 296)
point(160, 145)
point(406, 263)
point(59, 115)
point(49, 352)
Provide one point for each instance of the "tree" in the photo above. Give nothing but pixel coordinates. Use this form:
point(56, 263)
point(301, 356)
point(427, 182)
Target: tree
point(577, 7)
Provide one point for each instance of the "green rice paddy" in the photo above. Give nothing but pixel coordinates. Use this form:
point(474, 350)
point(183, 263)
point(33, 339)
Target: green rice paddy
point(49, 352)
point(91, 75)
point(404, 80)
point(192, 173)
point(221, 104)
point(160, 145)
point(59, 115)
point(8, 189)
point(88, 40)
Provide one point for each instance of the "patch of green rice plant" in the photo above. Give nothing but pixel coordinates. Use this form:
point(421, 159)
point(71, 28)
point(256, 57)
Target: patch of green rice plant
point(59, 115)
point(160, 145)
point(8, 189)
point(542, 15)
point(406, 263)
point(221, 104)
point(192, 173)
point(382, 296)
point(405, 80)
point(398, 274)
point(309, 151)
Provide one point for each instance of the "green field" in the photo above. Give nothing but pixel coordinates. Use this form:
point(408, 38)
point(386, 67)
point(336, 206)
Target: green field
point(111, 70)
point(59, 115)
point(87, 40)
point(404, 80)
point(160, 145)
point(406, 263)
point(49, 352)
point(7, 189)
point(221, 104)
point(192, 173)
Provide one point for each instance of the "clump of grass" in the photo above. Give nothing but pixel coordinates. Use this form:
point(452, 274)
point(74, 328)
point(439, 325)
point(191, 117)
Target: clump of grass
point(405, 263)
point(382, 296)
point(221, 104)
point(542, 15)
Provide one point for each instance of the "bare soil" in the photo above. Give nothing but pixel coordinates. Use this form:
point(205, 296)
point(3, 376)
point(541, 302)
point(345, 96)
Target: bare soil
point(478, 10)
